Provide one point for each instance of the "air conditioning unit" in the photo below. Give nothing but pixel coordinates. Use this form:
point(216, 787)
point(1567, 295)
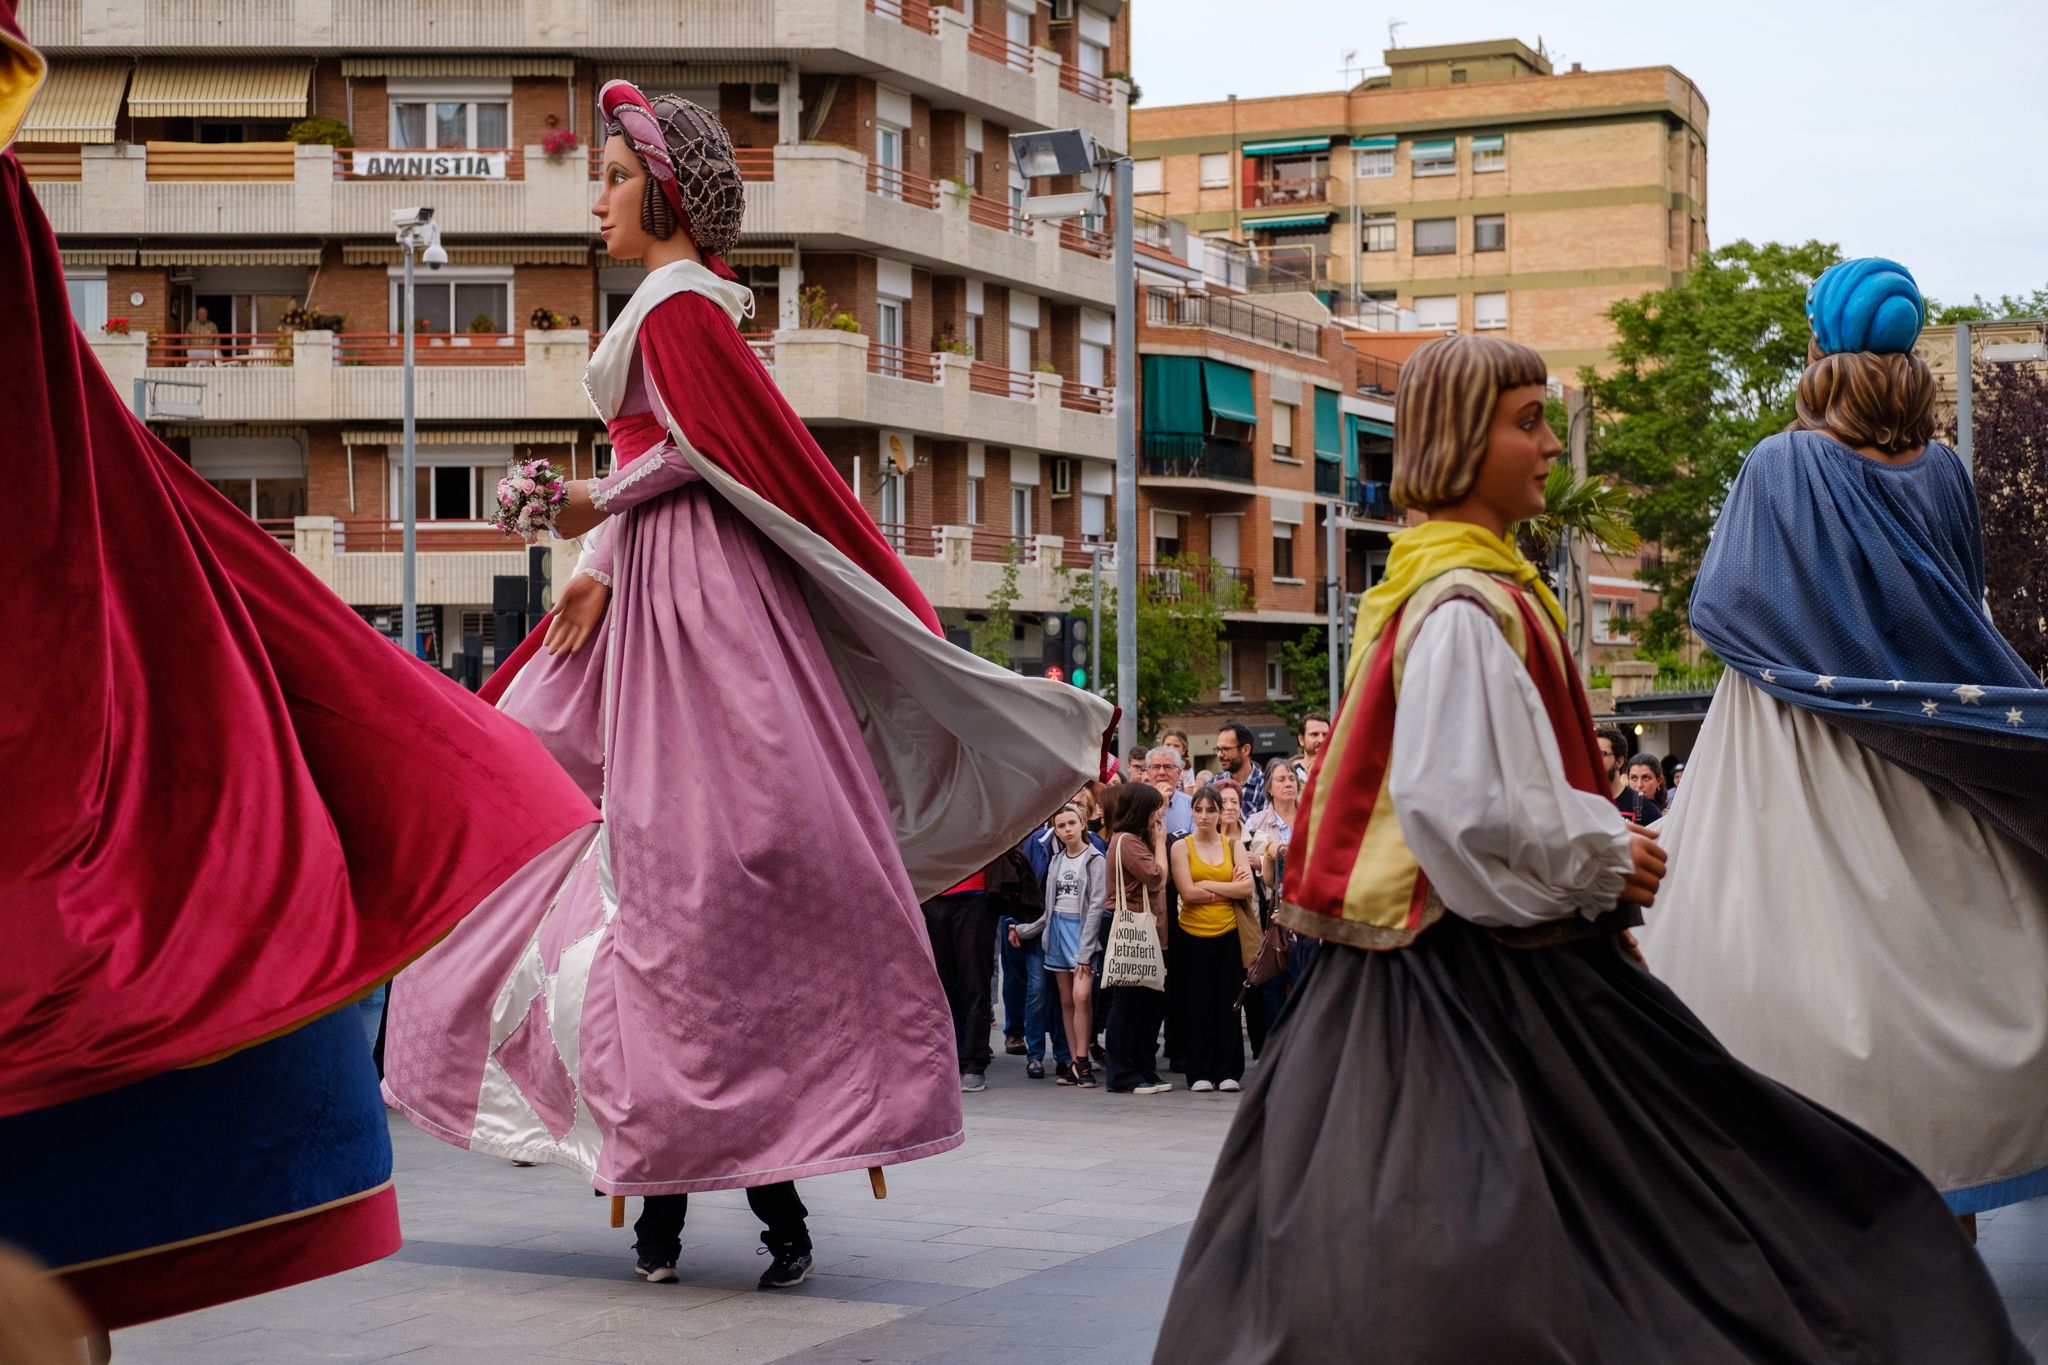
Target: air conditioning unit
point(1062, 11)
point(764, 97)
point(1062, 477)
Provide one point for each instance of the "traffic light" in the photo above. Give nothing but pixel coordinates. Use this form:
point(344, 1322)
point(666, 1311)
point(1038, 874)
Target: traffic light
point(1067, 655)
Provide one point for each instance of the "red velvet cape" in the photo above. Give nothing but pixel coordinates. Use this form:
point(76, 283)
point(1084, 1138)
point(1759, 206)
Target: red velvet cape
point(229, 803)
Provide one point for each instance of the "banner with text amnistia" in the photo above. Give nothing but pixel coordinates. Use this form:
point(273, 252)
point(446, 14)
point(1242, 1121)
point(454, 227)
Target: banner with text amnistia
point(447, 163)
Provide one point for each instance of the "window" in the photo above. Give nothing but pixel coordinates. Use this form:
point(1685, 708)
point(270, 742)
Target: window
point(1437, 312)
point(1020, 346)
point(1458, 75)
point(1165, 535)
point(1613, 620)
point(1283, 550)
point(972, 171)
point(1019, 189)
point(1094, 516)
point(453, 484)
point(973, 334)
point(1373, 163)
point(1226, 668)
point(459, 301)
point(1489, 154)
point(273, 499)
point(426, 124)
point(1147, 177)
point(1379, 232)
point(974, 502)
point(891, 503)
point(1093, 59)
point(1020, 511)
point(1433, 158)
point(1490, 232)
point(889, 154)
point(1283, 430)
point(1436, 236)
point(1489, 311)
point(1276, 681)
point(1215, 170)
point(483, 627)
point(1094, 364)
point(88, 300)
point(1018, 31)
point(889, 334)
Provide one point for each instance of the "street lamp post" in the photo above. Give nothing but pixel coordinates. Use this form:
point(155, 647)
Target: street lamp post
point(417, 231)
point(1069, 151)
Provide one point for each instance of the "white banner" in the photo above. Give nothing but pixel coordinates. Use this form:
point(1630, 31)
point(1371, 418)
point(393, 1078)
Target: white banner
point(443, 164)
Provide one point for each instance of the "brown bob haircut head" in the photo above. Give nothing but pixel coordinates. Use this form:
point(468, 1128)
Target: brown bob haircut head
point(1864, 398)
point(1443, 408)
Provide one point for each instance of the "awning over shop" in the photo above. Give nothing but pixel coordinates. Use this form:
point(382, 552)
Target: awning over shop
point(1229, 390)
point(1375, 144)
point(79, 103)
point(1329, 429)
point(458, 66)
point(174, 89)
point(1173, 395)
point(1291, 220)
point(263, 255)
point(465, 436)
point(1287, 146)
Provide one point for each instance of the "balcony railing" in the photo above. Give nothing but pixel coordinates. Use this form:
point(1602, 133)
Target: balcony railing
point(205, 349)
point(1180, 308)
point(1329, 477)
point(1376, 375)
point(220, 160)
point(1307, 189)
point(1286, 269)
point(1002, 383)
point(997, 214)
point(431, 348)
point(914, 14)
point(280, 529)
point(1172, 455)
point(985, 546)
point(1086, 240)
point(901, 362)
point(1229, 585)
point(1374, 501)
point(762, 344)
point(436, 163)
point(388, 537)
point(891, 182)
point(755, 163)
point(1086, 84)
point(1087, 397)
point(997, 48)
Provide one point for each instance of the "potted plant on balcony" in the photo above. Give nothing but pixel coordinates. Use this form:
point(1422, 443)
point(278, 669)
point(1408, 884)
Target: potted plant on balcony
point(948, 344)
point(559, 143)
point(482, 325)
point(843, 321)
point(545, 319)
point(320, 130)
point(116, 327)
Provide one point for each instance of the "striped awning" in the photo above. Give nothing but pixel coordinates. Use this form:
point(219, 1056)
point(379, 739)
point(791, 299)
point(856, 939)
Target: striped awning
point(1375, 144)
point(1434, 147)
point(98, 255)
point(656, 77)
point(176, 89)
point(79, 103)
point(1289, 220)
point(262, 255)
point(464, 436)
point(458, 66)
point(1489, 142)
point(377, 253)
point(1287, 146)
point(269, 429)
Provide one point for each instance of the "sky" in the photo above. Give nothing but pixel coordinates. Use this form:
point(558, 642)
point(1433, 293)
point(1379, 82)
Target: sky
point(1917, 131)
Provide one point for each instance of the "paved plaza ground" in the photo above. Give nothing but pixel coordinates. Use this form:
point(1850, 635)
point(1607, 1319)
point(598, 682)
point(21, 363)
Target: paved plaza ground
point(1050, 1238)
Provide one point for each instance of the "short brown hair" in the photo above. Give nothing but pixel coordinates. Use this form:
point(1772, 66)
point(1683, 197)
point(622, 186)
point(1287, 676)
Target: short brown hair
point(1867, 399)
point(1443, 407)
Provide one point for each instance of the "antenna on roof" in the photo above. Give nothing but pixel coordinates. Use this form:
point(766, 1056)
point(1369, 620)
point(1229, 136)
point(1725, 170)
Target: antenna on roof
point(1394, 27)
point(1351, 67)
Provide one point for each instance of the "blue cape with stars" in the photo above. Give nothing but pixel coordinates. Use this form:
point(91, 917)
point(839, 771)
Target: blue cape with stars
point(1856, 589)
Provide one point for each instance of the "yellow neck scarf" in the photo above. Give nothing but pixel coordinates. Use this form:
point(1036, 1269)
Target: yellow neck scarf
point(1422, 552)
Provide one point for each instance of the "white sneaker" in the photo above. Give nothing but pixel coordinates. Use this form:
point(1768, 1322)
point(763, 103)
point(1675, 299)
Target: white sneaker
point(1229, 1087)
point(1202, 1087)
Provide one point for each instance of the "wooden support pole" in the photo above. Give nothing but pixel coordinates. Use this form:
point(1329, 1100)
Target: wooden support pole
point(618, 1210)
point(875, 1182)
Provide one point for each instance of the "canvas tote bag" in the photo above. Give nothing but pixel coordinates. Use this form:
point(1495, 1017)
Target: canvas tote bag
point(1134, 958)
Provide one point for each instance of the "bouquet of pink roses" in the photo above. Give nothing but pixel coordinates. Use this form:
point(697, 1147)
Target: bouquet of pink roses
point(530, 497)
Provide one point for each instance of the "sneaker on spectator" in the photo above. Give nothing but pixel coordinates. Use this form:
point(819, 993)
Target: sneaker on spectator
point(1013, 1043)
point(654, 1271)
point(1202, 1087)
point(1152, 1088)
point(1228, 1087)
point(1034, 1071)
point(972, 1081)
point(791, 1266)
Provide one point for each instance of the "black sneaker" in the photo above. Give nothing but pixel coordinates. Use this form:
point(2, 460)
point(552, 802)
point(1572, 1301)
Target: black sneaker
point(791, 1266)
point(655, 1272)
point(973, 1082)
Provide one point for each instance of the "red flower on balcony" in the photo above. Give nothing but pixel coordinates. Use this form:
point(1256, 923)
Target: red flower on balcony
point(560, 143)
point(115, 326)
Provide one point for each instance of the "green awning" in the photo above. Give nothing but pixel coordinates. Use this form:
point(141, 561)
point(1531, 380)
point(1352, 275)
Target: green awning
point(1375, 144)
point(1371, 427)
point(1435, 148)
point(1173, 395)
point(1287, 146)
point(1329, 430)
point(1356, 429)
point(1288, 220)
point(1490, 142)
point(1230, 392)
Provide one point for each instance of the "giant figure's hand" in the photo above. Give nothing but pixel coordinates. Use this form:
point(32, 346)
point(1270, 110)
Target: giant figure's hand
point(1648, 873)
point(578, 612)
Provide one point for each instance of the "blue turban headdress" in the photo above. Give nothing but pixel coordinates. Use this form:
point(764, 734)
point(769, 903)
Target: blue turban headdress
point(1868, 304)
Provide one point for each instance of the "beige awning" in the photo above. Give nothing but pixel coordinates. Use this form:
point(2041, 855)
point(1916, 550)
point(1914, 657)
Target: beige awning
point(262, 255)
point(287, 429)
point(98, 255)
point(465, 436)
point(216, 89)
point(458, 66)
point(368, 253)
point(655, 77)
point(777, 256)
point(78, 103)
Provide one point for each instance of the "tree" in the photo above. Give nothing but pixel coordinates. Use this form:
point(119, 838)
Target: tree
point(1980, 309)
point(1180, 633)
point(1703, 371)
point(991, 636)
point(1305, 663)
point(2010, 429)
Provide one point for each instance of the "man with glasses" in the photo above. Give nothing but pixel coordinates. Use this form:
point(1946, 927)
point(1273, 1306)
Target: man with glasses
point(1162, 770)
point(1638, 808)
point(1234, 752)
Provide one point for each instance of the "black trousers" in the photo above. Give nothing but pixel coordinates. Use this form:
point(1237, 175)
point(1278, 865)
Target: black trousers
point(1206, 975)
point(963, 930)
point(1135, 1014)
point(658, 1233)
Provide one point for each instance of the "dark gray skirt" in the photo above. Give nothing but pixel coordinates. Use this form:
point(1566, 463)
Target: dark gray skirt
point(1462, 1152)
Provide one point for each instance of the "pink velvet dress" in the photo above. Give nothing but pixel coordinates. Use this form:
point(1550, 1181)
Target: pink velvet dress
point(730, 984)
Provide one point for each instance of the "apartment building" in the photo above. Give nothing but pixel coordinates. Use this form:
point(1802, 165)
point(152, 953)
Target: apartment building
point(951, 357)
point(1472, 184)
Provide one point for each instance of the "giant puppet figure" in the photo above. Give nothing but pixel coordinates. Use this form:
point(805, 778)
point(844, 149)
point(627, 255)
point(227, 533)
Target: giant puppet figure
point(232, 808)
point(1860, 907)
point(731, 985)
point(1485, 1132)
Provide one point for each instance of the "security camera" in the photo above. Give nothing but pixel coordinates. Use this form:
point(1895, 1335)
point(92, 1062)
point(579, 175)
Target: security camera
point(411, 218)
point(435, 256)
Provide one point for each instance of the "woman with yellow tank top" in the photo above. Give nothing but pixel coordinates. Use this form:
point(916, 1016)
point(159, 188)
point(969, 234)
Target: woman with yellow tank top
point(1212, 875)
